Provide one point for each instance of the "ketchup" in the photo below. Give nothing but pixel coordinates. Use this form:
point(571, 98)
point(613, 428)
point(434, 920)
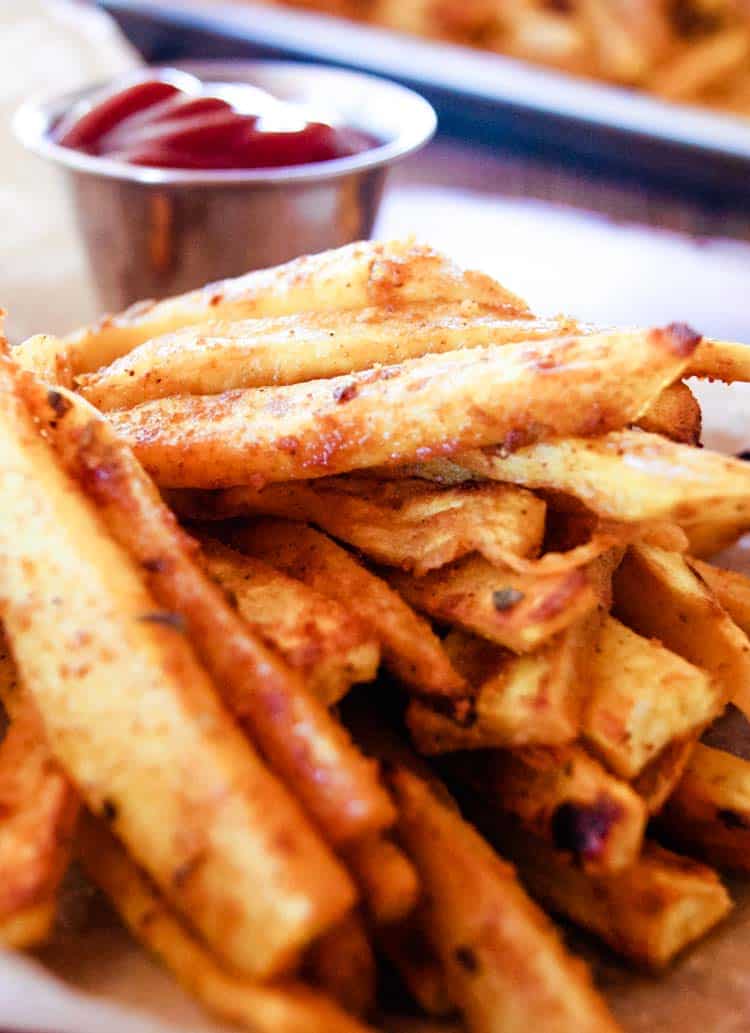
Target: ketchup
point(182, 123)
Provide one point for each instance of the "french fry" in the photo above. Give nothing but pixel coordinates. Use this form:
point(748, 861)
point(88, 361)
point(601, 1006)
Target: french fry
point(412, 411)
point(518, 611)
point(675, 413)
point(315, 635)
point(648, 913)
point(709, 812)
point(386, 877)
point(407, 947)
point(721, 360)
point(504, 964)
point(411, 650)
point(627, 475)
point(135, 721)
point(38, 814)
point(704, 65)
point(218, 357)
point(407, 524)
point(564, 796)
point(731, 588)
point(534, 698)
point(356, 276)
point(658, 595)
point(660, 777)
point(282, 1008)
point(708, 536)
point(307, 747)
point(342, 964)
point(48, 357)
point(641, 697)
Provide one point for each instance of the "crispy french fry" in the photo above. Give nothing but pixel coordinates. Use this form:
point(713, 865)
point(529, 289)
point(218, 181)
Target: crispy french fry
point(411, 411)
point(504, 965)
point(709, 812)
point(721, 360)
point(356, 276)
point(386, 877)
point(731, 588)
point(38, 814)
point(658, 595)
point(564, 796)
point(518, 611)
point(534, 698)
point(305, 744)
point(218, 357)
point(410, 648)
point(642, 696)
point(407, 524)
point(660, 777)
point(342, 964)
point(708, 535)
point(316, 635)
point(407, 947)
point(136, 722)
point(282, 1008)
point(675, 413)
point(648, 912)
point(703, 65)
point(627, 475)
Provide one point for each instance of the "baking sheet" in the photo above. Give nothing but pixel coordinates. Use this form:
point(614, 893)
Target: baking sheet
point(486, 95)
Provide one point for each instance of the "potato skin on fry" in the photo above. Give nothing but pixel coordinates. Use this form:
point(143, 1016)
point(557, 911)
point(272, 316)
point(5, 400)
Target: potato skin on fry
point(423, 408)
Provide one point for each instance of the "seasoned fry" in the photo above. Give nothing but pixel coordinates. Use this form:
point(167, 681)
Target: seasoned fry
point(504, 965)
point(675, 413)
point(407, 524)
point(411, 411)
point(709, 811)
point(342, 964)
point(218, 357)
point(708, 535)
point(705, 65)
point(731, 588)
point(282, 1008)
point(518, 611)
point(534, 698)
point(48, 357)
point(642, 696)
point(356, 276)
point(304, 743)
point(627, 475)
point(135, 721)
point(332, 649)
point(387, 878)
point(410, 648)
point(648, 912)
point(564, 796)
point(658, 595)
point(38, 814)
point(660, 777)
point(721, 360)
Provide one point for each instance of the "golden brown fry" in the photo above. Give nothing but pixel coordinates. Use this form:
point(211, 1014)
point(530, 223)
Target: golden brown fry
point(433, 406)
point(404, 523)
point(648, 913)
point(386, 877)
point(564, 796)
point(709, 811)
point(316, 635)
point(518, 611)
point(136, 723)
point(708, 535)
point(731, 588)
point(342, 964)
point(658, 595)
point(363, 274)
point(675, 413)
point(38, 813)
point(505, 966)
point(721, 360)
point(628, 475)
point(658, 780)
point(305, 744)
point(534, 698)
point(410, 648)
point(48, 357)
point(642, 696)
point(280, 1008)
point(216, 357)
point(705, 64)
point(407, 947)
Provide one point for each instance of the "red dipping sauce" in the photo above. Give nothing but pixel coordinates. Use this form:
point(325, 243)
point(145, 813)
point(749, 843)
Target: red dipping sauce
point(183, 123)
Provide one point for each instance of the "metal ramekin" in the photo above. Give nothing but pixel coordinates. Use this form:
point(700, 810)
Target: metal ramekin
point(156, 232)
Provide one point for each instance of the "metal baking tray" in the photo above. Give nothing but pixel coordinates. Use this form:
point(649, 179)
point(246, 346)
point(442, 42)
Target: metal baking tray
point(482, 96)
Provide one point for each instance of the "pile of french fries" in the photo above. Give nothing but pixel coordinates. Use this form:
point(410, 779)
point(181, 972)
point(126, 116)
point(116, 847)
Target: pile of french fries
point(224, 511)
point(691, 51)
